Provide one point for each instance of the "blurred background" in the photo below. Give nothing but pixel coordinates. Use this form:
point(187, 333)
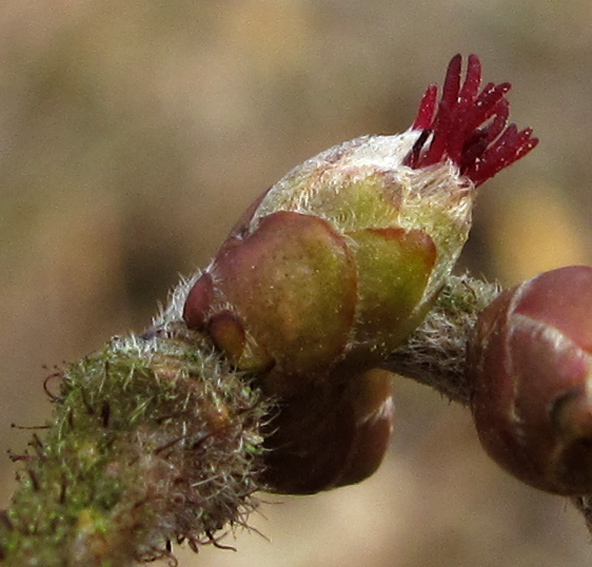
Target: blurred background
point(134, 132)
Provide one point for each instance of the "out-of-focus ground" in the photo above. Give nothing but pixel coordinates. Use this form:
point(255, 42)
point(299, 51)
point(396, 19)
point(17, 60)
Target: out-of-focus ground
point(134, 132)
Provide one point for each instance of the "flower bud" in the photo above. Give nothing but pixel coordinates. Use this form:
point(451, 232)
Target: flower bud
point(334, 435)
point(340, 260)
point(530, 370)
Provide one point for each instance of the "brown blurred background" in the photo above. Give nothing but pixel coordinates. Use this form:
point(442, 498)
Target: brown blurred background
point(134, 132)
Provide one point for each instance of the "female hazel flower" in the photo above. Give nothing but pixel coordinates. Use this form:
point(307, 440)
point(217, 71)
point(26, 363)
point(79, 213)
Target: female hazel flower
point(340, 260)
point(335, 265)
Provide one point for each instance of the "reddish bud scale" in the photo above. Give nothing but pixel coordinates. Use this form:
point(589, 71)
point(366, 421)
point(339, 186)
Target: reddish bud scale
point(331, 436)
point(530, 368)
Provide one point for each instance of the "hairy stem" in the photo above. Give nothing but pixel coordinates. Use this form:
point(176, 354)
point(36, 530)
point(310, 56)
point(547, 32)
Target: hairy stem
point(435, 354)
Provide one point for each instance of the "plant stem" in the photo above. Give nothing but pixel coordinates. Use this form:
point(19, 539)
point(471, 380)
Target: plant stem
point(435, 354)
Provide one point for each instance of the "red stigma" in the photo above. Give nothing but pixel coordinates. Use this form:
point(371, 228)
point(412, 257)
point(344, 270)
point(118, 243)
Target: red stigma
point(469, 128)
